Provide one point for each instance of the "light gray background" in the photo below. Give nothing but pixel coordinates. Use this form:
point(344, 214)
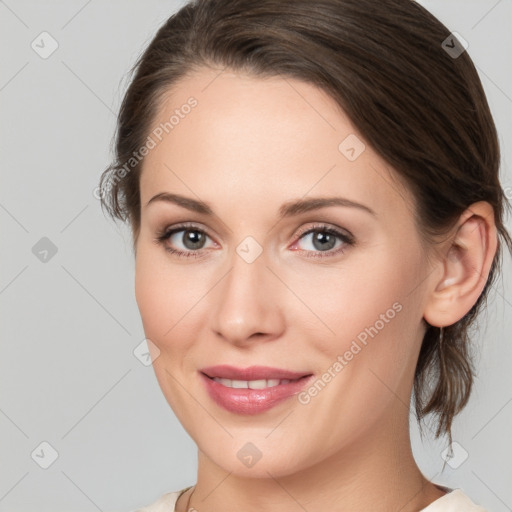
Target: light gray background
point(68, 375)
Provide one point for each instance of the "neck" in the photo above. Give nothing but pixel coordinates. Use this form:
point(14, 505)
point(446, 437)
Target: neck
point(376, 472)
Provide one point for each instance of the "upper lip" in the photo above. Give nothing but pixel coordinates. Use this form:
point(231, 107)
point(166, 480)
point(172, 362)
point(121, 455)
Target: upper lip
point(225, 371)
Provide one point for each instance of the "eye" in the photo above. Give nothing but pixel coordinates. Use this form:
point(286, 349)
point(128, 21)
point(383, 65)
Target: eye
point(322, 238)
point(186, 240)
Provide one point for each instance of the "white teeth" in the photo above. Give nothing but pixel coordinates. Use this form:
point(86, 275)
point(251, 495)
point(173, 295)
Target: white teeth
point(252, 384)
point(257, 384)
point(239, 384)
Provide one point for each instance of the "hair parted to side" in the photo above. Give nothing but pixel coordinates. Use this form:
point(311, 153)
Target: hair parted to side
point(422, 110)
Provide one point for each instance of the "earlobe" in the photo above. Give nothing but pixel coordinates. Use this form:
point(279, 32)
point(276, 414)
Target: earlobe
point(465, 268)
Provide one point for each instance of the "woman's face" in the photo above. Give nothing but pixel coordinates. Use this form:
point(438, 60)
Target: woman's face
point(267, 275)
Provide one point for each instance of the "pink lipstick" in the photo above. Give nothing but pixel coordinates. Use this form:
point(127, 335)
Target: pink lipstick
point(251, 390)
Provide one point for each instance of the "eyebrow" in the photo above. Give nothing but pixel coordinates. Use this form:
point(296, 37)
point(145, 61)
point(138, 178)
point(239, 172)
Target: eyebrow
point(288, 209)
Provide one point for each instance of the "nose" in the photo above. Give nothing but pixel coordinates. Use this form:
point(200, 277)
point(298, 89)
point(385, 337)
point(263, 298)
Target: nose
point(248, 302)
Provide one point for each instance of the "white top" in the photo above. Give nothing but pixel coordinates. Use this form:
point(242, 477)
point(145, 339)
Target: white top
point(454, 501)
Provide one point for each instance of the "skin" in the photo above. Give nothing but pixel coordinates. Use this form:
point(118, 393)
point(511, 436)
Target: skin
point(250, 145)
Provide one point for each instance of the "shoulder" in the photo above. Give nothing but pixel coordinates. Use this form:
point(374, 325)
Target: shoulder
point(453, 501)
point(165, 503)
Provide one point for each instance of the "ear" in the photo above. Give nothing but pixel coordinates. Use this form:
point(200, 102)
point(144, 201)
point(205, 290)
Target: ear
point(464, 269)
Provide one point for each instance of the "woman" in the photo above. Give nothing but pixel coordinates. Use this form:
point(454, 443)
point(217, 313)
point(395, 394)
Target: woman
point(317, 219)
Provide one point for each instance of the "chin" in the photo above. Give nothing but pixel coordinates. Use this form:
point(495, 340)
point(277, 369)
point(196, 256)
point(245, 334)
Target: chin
point(259, 458)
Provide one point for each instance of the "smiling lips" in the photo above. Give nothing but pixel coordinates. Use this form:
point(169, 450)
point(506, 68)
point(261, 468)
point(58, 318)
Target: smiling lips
point(251, 390)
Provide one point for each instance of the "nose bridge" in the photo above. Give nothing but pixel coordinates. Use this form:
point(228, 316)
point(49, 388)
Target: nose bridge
point(246, 300)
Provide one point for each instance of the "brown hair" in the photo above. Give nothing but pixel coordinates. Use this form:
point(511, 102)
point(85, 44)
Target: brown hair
point(388, 65)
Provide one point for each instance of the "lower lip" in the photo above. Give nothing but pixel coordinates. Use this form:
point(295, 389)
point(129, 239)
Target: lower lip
point(252, 401)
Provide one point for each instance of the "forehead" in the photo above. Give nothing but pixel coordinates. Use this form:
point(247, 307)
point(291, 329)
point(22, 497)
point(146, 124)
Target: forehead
point(262, 139)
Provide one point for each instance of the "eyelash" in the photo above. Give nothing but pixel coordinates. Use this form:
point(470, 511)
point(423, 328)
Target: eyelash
point(163, 235)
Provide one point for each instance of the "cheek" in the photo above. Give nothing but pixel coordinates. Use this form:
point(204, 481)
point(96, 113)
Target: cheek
point(366, 313)
point(169, 298)
point(159, 294)
point(349, 300)
point(163, 299)
point(149, 294)
point(368, 362)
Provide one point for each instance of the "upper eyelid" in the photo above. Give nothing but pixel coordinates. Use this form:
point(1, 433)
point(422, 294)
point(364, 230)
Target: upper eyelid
point(185, 227)
point(318, 226)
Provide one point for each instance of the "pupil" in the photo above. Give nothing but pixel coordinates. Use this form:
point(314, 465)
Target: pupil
point(323, 241)
point(192, 239)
